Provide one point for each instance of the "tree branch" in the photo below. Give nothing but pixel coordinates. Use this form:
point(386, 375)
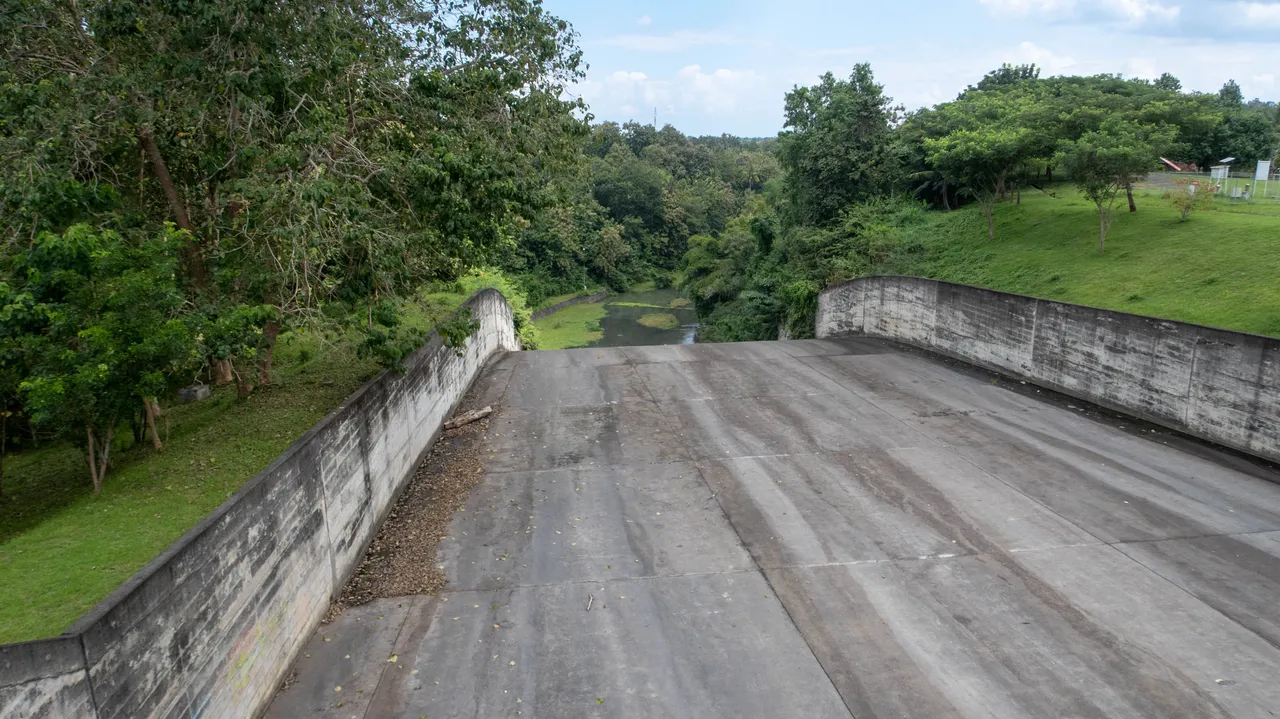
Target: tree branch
point(195, 262)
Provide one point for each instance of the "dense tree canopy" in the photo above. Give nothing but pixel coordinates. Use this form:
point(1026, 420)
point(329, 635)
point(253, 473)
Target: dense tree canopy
point(309, 163)
point(838, 146)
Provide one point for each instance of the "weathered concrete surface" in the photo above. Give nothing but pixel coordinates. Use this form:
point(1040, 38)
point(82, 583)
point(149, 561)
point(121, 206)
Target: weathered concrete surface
point(211, 626)
point(1215, 384)
point(824, 528)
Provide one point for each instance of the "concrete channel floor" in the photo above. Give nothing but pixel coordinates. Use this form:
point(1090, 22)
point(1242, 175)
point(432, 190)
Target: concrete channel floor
point(823, 528)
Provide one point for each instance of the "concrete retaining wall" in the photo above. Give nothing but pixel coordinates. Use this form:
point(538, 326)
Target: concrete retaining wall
point(210, 627)
point(1214, 384)
point(587, 299)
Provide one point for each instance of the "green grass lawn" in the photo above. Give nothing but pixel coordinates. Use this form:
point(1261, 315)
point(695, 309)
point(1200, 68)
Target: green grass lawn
point(62, 549)
point(576, 326)
point(1220, 268)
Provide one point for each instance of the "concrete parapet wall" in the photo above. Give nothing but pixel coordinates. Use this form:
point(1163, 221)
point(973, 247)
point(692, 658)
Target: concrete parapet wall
point(1214, 384)
point(210, 627)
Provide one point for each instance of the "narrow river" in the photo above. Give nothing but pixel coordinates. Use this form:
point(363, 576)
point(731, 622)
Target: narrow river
point(650, 317)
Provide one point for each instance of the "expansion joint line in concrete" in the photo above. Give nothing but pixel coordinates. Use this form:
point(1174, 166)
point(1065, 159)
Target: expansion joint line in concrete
point(590, 582)
point(757, 568)
point(1110, 545)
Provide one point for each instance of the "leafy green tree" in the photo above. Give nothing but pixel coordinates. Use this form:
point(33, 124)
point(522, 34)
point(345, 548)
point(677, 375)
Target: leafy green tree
point(979, 161)
point(1248, 136)
point(1188, 197)
point(839, 147)
point(1007, 76)
point(1230, 95)
point(1105, 161)
point(1168, 83)
point(320, 157)
point(102, 322)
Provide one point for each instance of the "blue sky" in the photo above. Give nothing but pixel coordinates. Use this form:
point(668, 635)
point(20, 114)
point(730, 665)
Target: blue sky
point(713, 66)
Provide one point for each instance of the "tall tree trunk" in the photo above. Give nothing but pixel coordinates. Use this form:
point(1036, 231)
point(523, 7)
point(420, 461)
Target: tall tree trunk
point(1018, 189)
point(1048, 174)
point(1128, 190)
point(270, 331)
point(194, 260)
point(989, 209)
point(946, 201)
point(152, 408)
point(1102, 227)
point(93, 462)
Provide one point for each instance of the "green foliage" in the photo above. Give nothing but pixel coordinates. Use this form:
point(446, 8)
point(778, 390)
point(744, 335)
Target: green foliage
point(838, 147)
point(576, 326)
point(659, 321)
point(628, 213)
point(95, 323)
point(458, 329)
point(1008, 75)
point(325, 159)
point(1107, 160)
point(1188, 197)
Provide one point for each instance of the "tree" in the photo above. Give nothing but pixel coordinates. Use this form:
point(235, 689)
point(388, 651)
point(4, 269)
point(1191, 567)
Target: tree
point(978, 161)
point(838, 147)
point(319, 157)
point(1168, 83)
point(1105, 161)
point(101, 320)
point(1230, 95)
point(1188, 197)
point(1248, 136)
point(1008, 75)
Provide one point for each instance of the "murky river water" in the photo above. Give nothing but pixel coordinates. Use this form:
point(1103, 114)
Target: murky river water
point(622, 327)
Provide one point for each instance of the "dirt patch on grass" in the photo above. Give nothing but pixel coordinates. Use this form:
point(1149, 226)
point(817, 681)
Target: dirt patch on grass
point(401, 561)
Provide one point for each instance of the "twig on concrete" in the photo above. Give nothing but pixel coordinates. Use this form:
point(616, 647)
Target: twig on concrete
point(468, 417)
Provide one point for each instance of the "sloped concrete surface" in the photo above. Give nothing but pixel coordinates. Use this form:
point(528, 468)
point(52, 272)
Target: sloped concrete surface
point(827, 528)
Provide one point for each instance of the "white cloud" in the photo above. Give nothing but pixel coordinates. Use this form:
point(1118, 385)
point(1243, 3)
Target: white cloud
point(691, 91)
point(1142, 67)
point(671, 42)
point(644, 20)
point(1257, 14)
point(1138, 11)
point(1049, 61)
point(719, 92)
point(1134, 11)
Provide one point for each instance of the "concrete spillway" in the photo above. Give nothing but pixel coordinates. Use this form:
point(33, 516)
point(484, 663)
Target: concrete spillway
point(824, 528)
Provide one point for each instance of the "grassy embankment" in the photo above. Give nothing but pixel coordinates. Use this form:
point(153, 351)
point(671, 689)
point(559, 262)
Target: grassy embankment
point(575, 326)
point(1220, 268)
point(62, 550)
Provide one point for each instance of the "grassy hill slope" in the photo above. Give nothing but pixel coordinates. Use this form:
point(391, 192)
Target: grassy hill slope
point(1220, 268)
